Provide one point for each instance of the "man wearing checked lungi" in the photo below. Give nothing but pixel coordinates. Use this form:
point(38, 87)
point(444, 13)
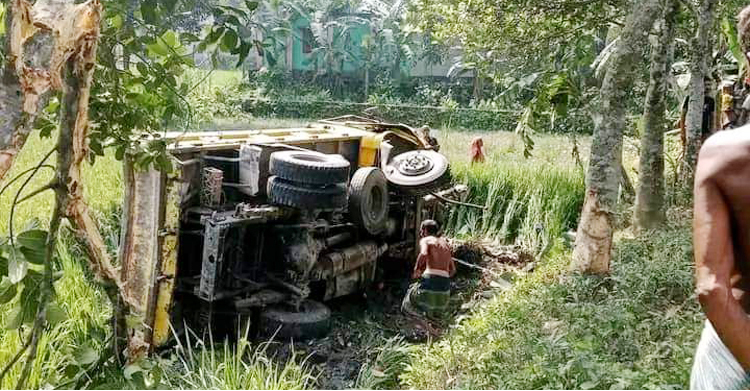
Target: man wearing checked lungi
point(434, 268)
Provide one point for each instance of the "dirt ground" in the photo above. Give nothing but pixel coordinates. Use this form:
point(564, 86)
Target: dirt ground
point(362, 323)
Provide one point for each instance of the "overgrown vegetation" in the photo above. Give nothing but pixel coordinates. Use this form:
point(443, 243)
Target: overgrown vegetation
point(636, 328)
point(531, 204)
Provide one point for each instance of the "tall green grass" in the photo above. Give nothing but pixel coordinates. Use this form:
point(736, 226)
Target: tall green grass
point(203, 365)
point(84, 331)
point(529, 204)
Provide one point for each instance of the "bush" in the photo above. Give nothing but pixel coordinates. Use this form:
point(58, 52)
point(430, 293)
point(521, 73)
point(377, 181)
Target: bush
point(449, 115)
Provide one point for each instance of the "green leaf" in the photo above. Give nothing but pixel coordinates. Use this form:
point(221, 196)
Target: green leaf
point(730, 32)
point(14, 318)
point(158, 48)
point(85, 355)
point(34, 246)
point(116, 21)
point(164, 164)
point(244, 51)
point(17, 267)
point(149, 13)
point(2, 16)
point(188, 38)
point(33, 238)
point(131, 370)
point(142, 68)
point(169, 5)
point(229, 41)
point(8, 291)
point(213, 36)
point(251, 5)
point(3, 266)
point(55, 314)
point(96, 147)
point(170, 38)
point(120, 152)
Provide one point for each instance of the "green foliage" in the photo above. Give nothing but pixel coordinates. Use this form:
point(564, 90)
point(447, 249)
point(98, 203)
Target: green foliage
point(530, 204)
point(729, 31)
point(143, 92)
point(23, 260)
point(235, 366)
point(390, 361)
point(77, 319)
point(637, 328)
point(447, 115)
point(217, 95)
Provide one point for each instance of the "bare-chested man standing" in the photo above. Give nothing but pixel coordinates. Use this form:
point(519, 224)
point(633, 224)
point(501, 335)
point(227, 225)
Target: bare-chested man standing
point(721, 234)
point(721, 230)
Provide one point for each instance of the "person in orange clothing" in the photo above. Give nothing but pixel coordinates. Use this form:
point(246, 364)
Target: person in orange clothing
point(477, 150)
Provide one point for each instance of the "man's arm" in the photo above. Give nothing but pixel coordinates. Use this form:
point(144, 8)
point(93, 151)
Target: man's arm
point(716, 271)
point(452, 267)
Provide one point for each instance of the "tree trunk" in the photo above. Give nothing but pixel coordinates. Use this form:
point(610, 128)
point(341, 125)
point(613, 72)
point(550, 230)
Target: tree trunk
point(649, 200)
point(367, 82)
point(594, 237)
point(24, 88)
point(699, 70)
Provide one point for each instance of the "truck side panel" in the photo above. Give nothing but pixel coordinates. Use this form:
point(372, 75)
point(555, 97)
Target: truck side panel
point(149, 251)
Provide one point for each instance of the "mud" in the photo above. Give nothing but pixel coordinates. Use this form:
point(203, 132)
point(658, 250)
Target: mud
point(363, 322)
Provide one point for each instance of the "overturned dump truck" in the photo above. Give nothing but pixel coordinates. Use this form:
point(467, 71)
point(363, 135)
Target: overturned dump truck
point(255, 229)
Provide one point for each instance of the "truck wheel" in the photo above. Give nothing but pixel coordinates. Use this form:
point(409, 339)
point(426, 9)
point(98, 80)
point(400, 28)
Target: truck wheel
point(311, 168)
point(368, 200)
point(419, 172)
point(281, 192)
point(313, 320)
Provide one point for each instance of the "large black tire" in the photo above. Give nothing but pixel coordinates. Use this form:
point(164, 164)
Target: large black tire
point(281, 192)
point(368, 200)
point(309, 167)
point(313, 320)
point(419, 172)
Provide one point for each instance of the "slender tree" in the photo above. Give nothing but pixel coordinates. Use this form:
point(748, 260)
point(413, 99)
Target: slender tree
point(699, 69)
point(649, 202)
point(595, 229)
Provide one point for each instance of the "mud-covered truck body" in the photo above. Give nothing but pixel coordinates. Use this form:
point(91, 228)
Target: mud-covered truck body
point(258, 227)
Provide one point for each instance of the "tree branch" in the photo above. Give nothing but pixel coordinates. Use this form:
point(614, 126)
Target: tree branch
point(26, 182)
point(49, 186)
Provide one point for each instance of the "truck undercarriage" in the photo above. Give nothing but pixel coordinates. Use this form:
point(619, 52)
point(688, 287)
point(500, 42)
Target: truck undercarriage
point(255, 228)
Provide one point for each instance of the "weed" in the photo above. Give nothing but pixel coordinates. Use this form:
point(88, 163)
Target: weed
point(237, 366)
point(390, 360)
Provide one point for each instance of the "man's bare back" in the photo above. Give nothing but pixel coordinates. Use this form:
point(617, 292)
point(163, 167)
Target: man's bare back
point(434, 256)
point(721, 231)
